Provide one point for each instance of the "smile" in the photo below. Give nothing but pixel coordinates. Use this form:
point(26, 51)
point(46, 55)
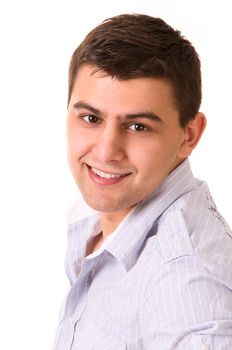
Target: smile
point(105, 175)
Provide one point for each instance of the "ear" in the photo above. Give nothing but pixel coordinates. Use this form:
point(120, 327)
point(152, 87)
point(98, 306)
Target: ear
point(192, 134)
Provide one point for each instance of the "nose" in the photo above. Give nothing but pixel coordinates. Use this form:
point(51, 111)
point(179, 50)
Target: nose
point(109, 145)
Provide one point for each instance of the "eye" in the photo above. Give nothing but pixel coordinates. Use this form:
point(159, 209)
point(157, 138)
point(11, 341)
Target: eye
point(92, 119)
point(138, 127)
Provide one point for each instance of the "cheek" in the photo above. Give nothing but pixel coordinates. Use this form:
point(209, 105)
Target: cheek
point(145, 156)
point(76, 143)
point(153, 158)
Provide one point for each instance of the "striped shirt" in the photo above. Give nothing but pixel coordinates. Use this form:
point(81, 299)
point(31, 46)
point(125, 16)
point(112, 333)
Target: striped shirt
point(163, 281)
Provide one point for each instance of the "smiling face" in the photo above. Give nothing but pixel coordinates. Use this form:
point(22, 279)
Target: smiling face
point(124, 138)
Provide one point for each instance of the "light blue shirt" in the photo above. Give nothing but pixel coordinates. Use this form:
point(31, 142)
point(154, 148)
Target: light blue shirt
point(162, 282)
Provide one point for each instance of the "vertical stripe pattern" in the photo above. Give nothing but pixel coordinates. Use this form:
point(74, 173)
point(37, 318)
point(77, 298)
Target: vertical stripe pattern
point(164, 280)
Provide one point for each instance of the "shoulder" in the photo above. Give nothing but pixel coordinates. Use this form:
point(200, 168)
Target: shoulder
point(192, 226)
point(190, 267)
point(190, 290)
point(190, 249)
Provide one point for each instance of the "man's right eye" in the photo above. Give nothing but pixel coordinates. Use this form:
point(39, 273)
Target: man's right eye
point(92, 119)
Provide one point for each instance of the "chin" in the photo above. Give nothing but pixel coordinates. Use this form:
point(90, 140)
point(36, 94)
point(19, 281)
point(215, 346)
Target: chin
point(107, 206)
point(102, 208)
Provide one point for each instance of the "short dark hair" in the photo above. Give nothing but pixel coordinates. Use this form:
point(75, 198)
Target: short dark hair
point(132, 46)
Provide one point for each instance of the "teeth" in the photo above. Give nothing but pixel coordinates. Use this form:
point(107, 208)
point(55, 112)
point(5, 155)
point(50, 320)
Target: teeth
point(105, 175)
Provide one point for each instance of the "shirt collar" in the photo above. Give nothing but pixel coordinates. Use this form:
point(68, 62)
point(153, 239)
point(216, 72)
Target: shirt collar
point(129, 240)
point(130, 237)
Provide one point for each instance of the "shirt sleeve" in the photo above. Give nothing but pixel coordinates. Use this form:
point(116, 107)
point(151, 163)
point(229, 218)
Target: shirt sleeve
point(188, 305)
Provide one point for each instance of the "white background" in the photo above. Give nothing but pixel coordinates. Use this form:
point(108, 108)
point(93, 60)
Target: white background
point(37, 39)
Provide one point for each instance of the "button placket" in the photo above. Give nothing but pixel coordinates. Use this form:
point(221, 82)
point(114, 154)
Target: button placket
point(82, 287)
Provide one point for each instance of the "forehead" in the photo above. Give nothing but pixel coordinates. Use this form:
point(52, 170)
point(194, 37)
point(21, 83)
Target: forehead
point(96, 87)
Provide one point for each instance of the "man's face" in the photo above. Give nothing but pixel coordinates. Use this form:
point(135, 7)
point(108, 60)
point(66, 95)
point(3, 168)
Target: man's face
point(124, 138)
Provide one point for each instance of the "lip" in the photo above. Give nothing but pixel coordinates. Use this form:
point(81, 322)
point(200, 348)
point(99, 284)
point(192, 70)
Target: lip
point(108, 178)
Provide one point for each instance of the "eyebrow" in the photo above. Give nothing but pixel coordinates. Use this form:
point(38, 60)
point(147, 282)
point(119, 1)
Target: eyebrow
point(81, 104)
point(146, 115)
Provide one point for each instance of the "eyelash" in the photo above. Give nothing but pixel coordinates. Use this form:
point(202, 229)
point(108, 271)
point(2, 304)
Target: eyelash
point(144, 127)
point(96, 120)
point(84, 117)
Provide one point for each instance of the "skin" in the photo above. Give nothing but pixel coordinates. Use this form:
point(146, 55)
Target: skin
point(127, 128)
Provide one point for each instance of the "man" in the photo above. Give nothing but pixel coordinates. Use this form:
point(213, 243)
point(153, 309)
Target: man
point(150, 266)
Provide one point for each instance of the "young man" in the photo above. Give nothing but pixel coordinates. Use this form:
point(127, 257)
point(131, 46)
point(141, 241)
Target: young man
point(151, 266)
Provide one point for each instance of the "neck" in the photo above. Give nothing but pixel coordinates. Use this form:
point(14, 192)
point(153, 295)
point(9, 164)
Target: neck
point(110, 221)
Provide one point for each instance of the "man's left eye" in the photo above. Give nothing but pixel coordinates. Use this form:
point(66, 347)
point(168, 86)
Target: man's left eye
point(138, 127)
